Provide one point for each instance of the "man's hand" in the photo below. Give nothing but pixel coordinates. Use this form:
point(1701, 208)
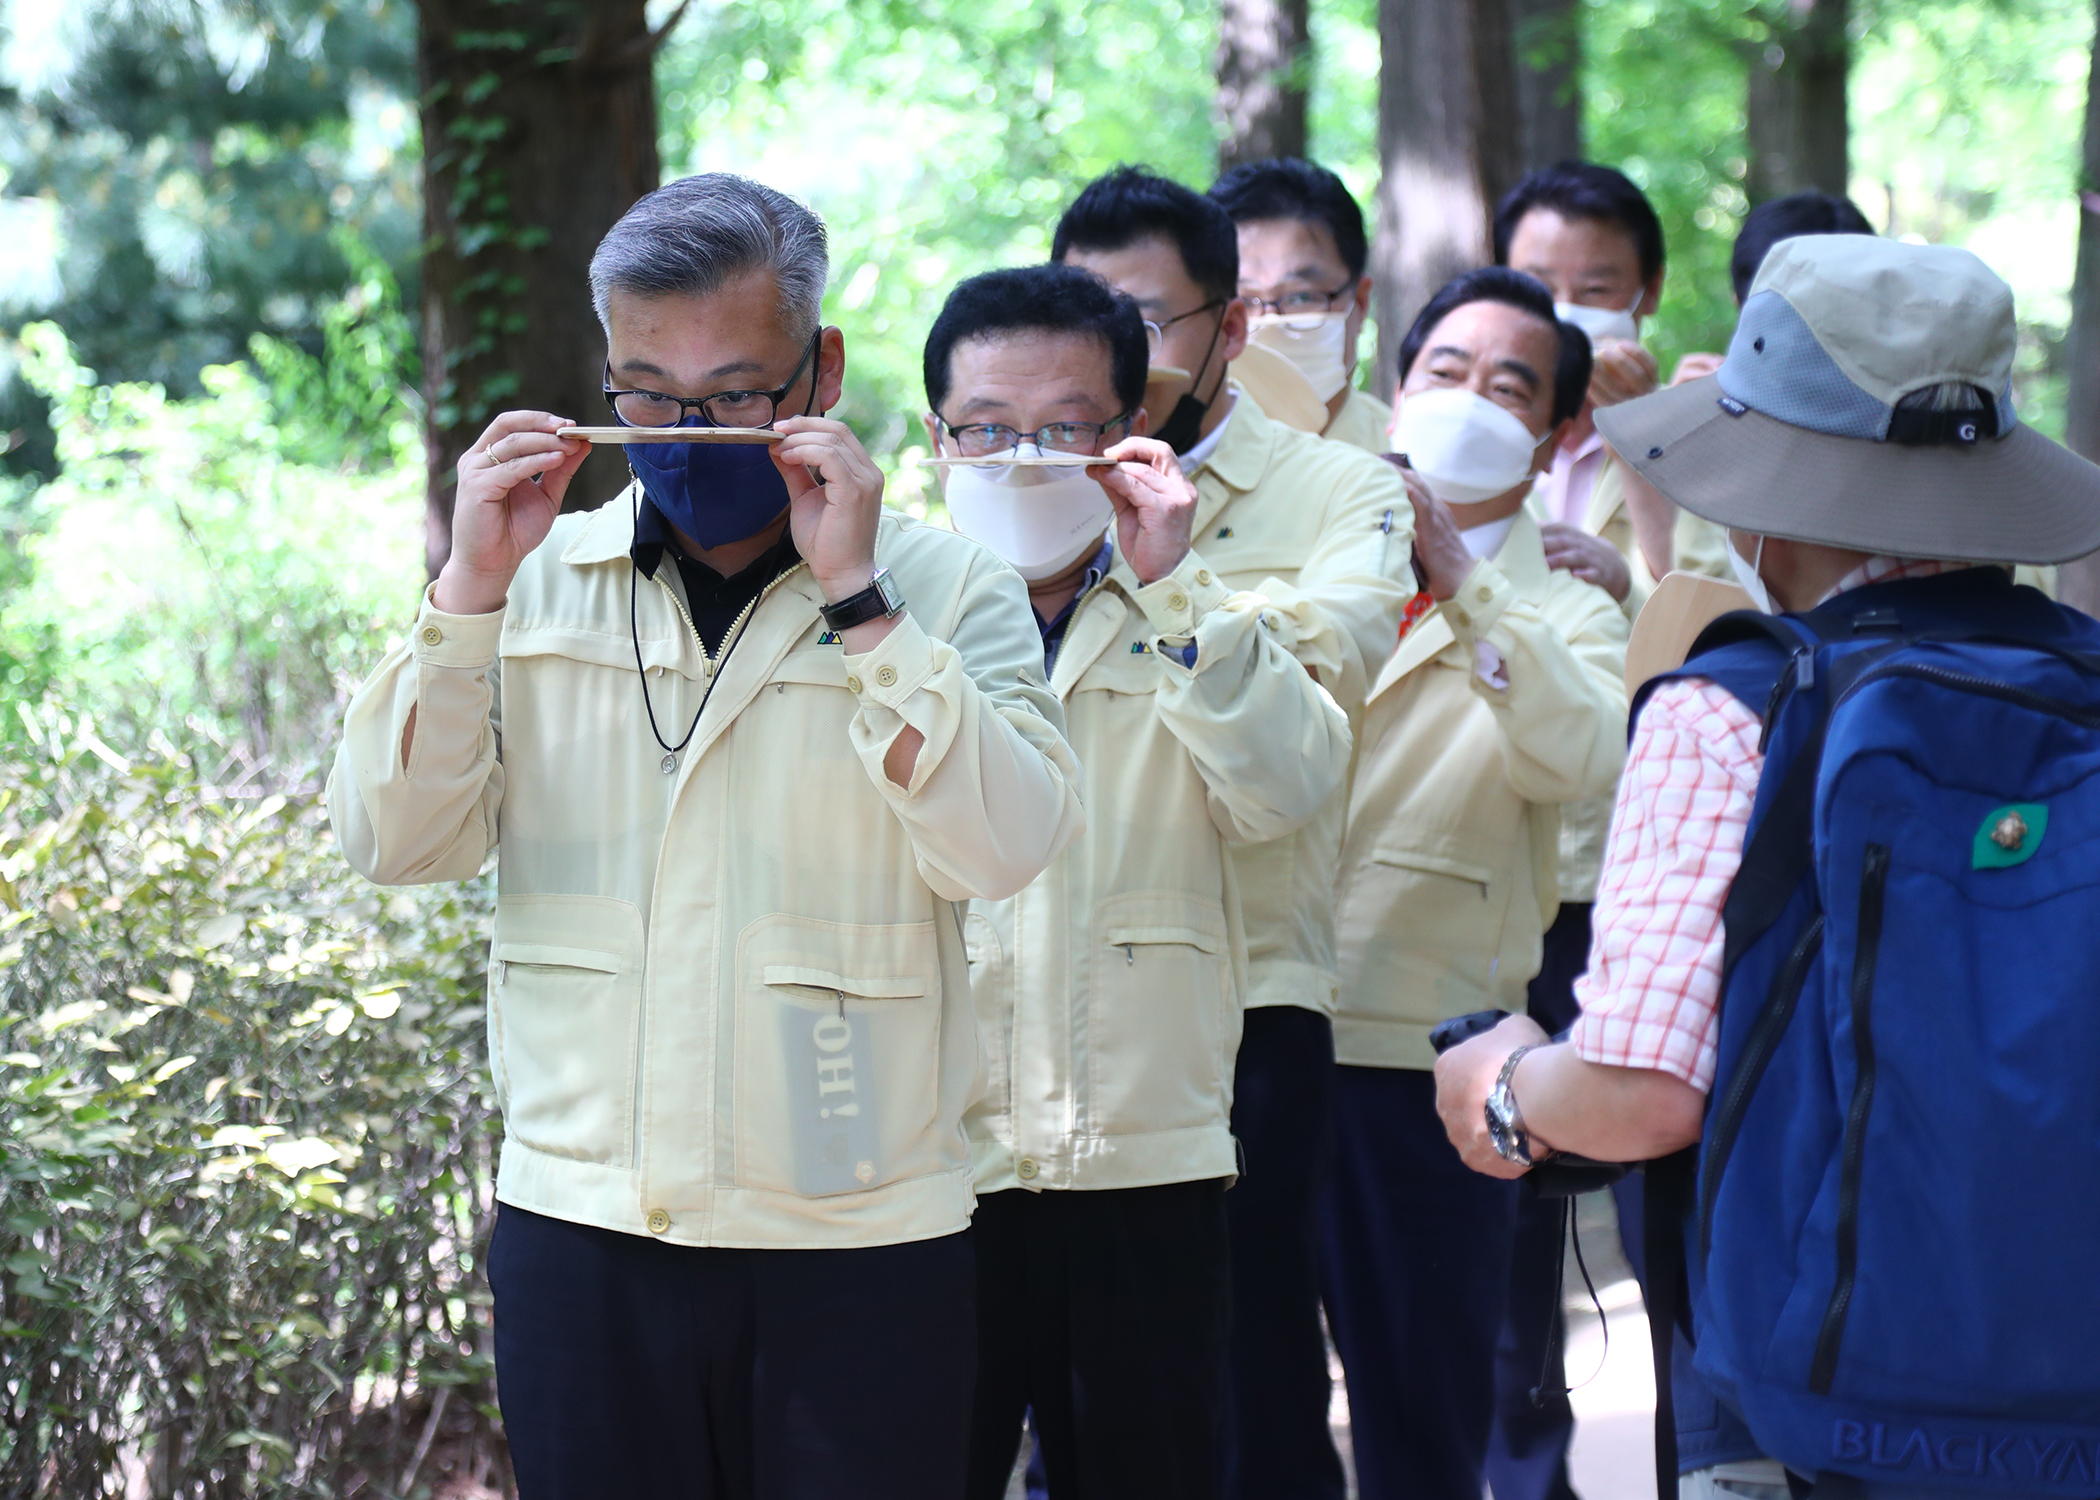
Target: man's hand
point(1465, 1076)
point(509, 492)
point(835, 495)
point(1694, 366)
point(1439, 549)
point(1620, 370)
point(1155, 505)
point(1592, 559)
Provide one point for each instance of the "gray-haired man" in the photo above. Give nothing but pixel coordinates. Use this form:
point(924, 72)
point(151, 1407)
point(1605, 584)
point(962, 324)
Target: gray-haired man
point(743, 737)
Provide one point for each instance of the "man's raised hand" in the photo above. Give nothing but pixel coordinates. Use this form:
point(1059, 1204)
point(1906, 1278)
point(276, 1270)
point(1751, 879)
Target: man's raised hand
point(836, 494)
point(510, 486)
point(1155, 505)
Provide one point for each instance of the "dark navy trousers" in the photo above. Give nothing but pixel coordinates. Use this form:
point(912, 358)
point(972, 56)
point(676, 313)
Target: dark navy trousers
point(1417, 1251)
point(630, 1367)
point(1277, 1446)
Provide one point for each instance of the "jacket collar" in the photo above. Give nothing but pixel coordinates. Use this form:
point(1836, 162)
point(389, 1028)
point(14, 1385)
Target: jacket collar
point(1242, 458)
point(607, 533)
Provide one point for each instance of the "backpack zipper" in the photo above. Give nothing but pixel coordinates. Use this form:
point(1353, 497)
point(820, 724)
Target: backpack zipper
point(1969, 683)
point(1765, 1035)
point(1873, 886)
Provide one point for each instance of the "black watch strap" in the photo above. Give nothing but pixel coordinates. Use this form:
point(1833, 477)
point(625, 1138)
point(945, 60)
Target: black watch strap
point(878, 601)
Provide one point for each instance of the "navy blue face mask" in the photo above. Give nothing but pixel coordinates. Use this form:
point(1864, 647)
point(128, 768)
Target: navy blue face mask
point(717, 492)
point(713, 492)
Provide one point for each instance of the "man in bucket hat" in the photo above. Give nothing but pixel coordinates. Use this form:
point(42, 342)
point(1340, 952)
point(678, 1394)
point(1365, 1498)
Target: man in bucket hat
point(1860, 445)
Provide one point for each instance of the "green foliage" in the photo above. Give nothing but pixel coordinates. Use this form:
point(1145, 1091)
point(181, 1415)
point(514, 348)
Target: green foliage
point(202, 564)
point(938, 140)
point(246, 1166)
point(177, 173)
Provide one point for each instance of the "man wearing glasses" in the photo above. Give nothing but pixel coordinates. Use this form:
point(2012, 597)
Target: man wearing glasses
point(1111, 987)
point(1322, 532)
point(1302, 258)
point(743, 739)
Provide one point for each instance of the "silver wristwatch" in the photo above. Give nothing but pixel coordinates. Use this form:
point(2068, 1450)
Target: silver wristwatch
point(1505, 1122)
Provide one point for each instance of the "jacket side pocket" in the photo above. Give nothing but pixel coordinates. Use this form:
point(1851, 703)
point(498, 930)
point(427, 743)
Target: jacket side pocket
point(565, 985)
point(1161, 1016)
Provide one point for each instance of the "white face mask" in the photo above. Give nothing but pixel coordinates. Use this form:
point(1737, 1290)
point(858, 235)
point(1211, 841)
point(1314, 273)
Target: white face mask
point(1747, 575)
point(1602, 322)
point(1467, 447)
point(1315, 343)
point(1042, 521)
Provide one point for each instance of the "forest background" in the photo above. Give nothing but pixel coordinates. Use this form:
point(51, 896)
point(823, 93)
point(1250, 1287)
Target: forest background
point(265, 265)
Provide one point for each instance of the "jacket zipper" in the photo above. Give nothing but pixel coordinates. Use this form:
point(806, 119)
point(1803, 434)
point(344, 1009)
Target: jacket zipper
point(1873, 885)
point(1749, 1072)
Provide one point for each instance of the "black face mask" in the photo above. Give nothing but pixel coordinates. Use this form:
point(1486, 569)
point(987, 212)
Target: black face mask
point(1182, 429)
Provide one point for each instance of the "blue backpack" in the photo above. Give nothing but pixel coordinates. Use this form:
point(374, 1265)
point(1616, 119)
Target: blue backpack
point(1891, 1233)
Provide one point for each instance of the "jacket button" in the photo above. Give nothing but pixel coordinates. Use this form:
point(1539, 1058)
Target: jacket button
point(1177, 601)
point(659, 1221)
point(432, 635)
point(1460, 616)
point(1026, 1168)
point(852, 684)
point(1203, 575)
point(1484, 594)
point(885, 676)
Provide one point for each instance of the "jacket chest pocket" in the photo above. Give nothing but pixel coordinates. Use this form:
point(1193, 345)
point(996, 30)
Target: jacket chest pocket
point(838, 1055)
point(565, 1024)
point(1161, 1015)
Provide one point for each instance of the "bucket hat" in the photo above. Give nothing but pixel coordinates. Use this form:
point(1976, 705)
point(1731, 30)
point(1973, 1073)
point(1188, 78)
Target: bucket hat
point(1800, 435)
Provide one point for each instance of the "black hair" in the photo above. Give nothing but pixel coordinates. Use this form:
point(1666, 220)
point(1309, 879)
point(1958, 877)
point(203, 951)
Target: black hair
point(1583, 190)
point(1571, 372)
point(1291, 188)
point(1052, 298)
point(1779, 219)
point(1129, 204)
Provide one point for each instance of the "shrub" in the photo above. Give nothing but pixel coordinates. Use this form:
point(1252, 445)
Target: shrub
point(245, 1162)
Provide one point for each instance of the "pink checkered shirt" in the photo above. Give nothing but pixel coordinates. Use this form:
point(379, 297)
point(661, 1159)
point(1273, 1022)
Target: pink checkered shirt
point(1651, 996)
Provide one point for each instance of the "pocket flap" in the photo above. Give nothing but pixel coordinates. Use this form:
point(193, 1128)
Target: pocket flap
point(557, 957)
point(821, 666)
point(1434, 864)
point(900, 988)
point(1209, 942)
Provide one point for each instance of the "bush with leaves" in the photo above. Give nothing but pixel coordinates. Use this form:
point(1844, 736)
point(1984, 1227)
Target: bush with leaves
point(245, 1156)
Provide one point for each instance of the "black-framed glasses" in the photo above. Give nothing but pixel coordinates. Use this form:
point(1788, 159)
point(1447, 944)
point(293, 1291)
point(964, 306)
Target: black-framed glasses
point(983, 439)
point(1296, 304)
point(1155, 332)
point(723, 409)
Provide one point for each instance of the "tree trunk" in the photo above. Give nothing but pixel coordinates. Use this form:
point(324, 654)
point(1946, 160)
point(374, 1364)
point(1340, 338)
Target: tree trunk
point(1263, 50)
point(1548, 41)
point(539, 131)
point(2078, 583)
point(1448, 147)
point(1795, 131)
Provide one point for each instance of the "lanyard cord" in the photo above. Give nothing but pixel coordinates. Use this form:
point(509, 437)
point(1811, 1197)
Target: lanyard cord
point(634, 634)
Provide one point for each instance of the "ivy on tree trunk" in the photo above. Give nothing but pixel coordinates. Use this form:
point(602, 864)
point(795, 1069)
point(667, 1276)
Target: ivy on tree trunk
point(539, 131)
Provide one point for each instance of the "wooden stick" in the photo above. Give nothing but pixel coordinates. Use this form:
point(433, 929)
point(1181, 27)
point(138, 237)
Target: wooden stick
point(1023, 460)
point(672, 434)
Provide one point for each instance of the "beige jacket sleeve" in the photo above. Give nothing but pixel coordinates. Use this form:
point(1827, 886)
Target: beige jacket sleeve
point(1560, 696)
point(994, 795)
point(1342, 615)
point(432, 815)
point(1268, 741)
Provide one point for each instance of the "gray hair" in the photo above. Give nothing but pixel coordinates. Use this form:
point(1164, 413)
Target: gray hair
point(690, 236)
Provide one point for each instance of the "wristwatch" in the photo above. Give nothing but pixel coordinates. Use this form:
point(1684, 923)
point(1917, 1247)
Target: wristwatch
point(880, 600)
point(1505, 1122)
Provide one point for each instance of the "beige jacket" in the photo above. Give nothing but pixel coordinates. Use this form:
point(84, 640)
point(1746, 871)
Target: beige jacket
point(728, 998)
point(1448, 873)
point(1324, 533)
point(1109, 991)
point(1362, 423)
point(1698, 543)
